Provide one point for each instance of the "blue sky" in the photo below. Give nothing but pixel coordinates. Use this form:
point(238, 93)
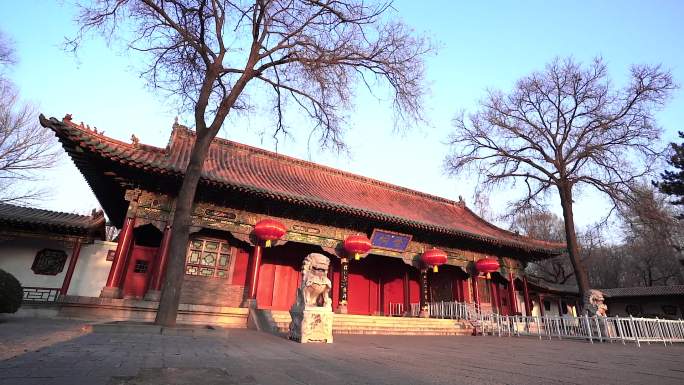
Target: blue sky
point(482, 45)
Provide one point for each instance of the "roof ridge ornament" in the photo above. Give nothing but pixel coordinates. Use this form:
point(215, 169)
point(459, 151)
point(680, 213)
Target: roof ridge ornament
point(135, 140)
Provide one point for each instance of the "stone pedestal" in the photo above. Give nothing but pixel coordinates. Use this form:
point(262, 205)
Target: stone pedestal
point(153, 295)
point(341, 308)
point(250, 303)
point(313, 324)
point(110, 292)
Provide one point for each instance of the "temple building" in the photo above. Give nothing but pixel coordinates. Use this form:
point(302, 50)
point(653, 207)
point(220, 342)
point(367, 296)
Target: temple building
point(258, 214)
point(54, 254)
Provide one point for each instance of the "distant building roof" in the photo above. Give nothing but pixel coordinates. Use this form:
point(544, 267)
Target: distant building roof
point(555, 288)
point(643, 291)
point(18, 218)
point(637, 291)
point(268, 175)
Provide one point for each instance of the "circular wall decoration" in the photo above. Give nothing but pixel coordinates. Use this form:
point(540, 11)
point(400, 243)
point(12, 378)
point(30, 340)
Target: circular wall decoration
point(49, 262)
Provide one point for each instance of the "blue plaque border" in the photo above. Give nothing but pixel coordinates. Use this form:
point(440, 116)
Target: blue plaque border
point(408, 238)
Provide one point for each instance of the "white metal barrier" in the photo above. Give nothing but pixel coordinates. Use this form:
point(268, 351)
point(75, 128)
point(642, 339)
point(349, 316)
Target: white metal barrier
point(610, 329)
point(625, 329)
point(451, 310)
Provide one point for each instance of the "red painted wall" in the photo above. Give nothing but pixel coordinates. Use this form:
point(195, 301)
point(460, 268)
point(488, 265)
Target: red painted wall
point(393, 285)
point(363, 286)
point(240, 267)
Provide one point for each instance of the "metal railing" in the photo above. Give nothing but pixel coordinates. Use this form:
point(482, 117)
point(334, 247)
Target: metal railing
point(611, 329)
point(41, 294)
point(450, 310)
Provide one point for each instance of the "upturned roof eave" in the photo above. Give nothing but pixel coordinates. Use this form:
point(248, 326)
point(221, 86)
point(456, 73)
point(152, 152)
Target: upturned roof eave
point(112, 155)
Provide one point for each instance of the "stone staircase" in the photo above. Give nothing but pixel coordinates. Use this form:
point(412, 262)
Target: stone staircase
point(278, 322)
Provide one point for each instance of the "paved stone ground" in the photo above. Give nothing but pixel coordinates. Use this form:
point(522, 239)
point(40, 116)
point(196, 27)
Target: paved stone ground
point(36, 351)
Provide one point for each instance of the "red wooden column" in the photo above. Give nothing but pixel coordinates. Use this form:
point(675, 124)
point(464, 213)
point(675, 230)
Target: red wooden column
point(424, 294)
point(494, 288)
point(116, 272)
point(541, 305)
point(513, 309)
point(75, 252)
point(159, 268)
point(526, 293)
point(344, 285)
point(253, 276)
point(476, 291)
point(407, 294)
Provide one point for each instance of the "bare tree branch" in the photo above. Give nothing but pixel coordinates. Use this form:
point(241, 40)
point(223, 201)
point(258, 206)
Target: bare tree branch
point(562, 128)
point(210, 54)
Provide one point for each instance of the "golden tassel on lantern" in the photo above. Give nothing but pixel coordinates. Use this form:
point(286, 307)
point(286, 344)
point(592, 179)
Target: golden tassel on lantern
point(435, 269)
point(268, 243)
point(357, 256)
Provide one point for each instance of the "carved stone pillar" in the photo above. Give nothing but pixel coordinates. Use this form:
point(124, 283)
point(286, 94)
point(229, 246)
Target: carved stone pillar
point(424, 294)
point(116, 272)
point(154, 291)
point(344, 285)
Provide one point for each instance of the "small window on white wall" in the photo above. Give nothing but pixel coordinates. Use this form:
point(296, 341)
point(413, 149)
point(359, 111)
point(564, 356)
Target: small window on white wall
point(49, 262)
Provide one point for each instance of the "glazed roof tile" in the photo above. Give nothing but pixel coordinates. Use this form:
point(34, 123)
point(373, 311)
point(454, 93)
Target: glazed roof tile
point(18, 217)
point(268, 174)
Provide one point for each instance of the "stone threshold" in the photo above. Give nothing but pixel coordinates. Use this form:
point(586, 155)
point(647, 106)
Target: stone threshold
point(131, 327)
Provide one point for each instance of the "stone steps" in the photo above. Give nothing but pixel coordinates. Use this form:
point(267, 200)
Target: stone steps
point(88, 308)
point(380, 325)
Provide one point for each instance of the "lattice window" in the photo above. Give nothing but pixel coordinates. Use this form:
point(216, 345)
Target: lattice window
point(140, 266)
point(208, 258)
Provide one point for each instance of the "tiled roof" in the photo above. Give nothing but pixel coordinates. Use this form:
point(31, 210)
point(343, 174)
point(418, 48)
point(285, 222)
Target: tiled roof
point(644, 291)
point(554, 287)
point(273, 176)
point(26, 218)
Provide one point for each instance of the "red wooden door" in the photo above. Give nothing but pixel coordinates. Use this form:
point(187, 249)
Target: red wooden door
point(363, 291)
point(138, 271)
point(279, 276)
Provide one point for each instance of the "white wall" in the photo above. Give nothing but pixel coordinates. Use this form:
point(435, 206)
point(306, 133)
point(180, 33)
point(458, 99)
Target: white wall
point(92, 269)
point(17, 255)
point(90, 274)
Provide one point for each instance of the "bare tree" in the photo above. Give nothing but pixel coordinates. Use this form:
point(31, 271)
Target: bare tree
point(561, 129)
point(652, 239)
point(310, 53)
point(7, 56)
point(541, 224)
point(25, 146)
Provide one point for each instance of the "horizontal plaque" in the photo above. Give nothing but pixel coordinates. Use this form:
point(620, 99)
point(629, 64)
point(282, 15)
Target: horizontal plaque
point(389, 240)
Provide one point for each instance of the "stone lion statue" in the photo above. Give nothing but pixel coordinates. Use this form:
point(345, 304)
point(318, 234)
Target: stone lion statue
point(596, 304)
point(312, 315)
point(315, 287)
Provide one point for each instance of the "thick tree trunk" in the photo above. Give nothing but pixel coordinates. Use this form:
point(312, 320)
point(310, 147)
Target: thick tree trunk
point(565, 190)
point(173, 277)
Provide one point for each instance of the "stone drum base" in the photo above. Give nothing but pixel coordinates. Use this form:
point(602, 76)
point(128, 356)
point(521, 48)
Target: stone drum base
point(313, 324)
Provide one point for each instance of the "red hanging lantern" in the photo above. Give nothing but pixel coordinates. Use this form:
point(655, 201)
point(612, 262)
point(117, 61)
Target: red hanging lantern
point(434, 257)
point(357, 245)
point(487, 266)
point(269, 230)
